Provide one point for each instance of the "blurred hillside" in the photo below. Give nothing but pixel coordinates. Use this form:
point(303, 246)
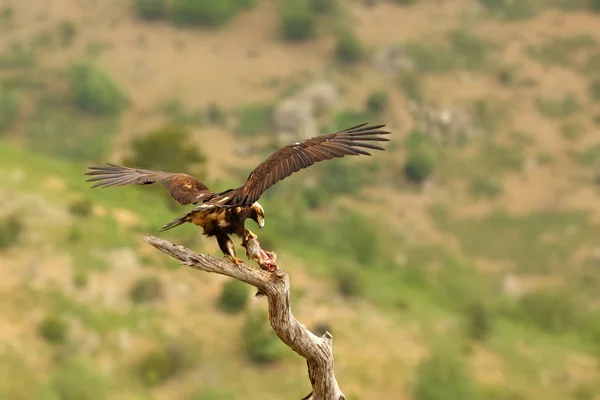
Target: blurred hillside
point(462, 263)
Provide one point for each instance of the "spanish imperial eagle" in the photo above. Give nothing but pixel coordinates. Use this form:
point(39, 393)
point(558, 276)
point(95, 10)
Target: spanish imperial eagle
point(223, 214)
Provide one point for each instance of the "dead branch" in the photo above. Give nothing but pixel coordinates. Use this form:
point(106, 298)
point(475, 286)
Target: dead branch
point(275, 285)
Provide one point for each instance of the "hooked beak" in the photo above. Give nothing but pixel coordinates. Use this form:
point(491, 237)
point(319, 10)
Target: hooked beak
point(261, 223)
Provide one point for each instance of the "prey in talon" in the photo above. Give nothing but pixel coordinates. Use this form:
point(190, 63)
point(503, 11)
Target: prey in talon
point(223, 214)
point(267, 260)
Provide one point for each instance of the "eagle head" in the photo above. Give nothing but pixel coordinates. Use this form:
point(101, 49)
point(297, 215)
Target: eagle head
point(257, 214)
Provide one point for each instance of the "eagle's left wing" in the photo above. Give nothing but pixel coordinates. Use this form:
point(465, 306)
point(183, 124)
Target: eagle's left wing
point(294, 157)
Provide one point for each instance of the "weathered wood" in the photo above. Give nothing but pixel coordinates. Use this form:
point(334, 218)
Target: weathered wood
point(275, 285)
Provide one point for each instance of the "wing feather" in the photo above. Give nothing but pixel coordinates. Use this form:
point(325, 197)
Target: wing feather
point(182, 187)
point(297, 156)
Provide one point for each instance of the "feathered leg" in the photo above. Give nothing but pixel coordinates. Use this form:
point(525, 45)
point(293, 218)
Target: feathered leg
point(227, 247)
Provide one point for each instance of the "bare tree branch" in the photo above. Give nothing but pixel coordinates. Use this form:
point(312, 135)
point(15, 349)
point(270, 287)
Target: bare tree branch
point(317, 351)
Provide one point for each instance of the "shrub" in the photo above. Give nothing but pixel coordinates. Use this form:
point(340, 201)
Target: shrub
point(261, 346)
point(151, 9)
point(202, 13)
point(67, 30)
point(324, 6)
point(146, 289)
point(485, 187)
point(234, 296)
point(95, 91)
point(377, 102)
point(11, 228)
point(149, 151)
point(478, 321)
point(419, 165)
point(553, 312)
point(511, 10)
point(215, 114)
point(444, 376)
point(298, 20)
point(81, 208)
point(159, 365)
point(595, 89)
point(348, 283)
point(53, 329)
point(76, 380)
point(254, 119)
point(349, 48)
point(558, 107)
point(9, 108)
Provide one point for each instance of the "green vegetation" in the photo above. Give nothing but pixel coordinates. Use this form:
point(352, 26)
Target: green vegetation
point(419, 165)
point(60, 130)
point(562, 50)
point(595, 89)
point(76, 380)
point(234, 297)
point(324, 6)
point(348, 48)
point(9, 108)
point(11, 227)
point(81, 207)
point(261, 346)
point(478, 321)
point(202, 13)
point(464, 50)
point(572, 131)
point(377, 102)
point(146, 289)
point(254, 119)
point(161, 364)
point(551, 312)
point(183, 154)
point(444, 376)
point(53, 329)
point(348, 282)
point(19, 56)
point(178, 116)
point(483, 186)
point(95, 92)
point(298, 20)
point(561, 107)
point(67, 31)
point(151, 9)
point(411, 85)
point(511, 10)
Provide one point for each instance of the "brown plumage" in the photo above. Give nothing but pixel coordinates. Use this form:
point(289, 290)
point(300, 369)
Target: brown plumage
point(223, 214)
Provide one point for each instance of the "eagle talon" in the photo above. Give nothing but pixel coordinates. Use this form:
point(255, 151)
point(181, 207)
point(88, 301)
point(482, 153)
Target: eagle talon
point(235, 260)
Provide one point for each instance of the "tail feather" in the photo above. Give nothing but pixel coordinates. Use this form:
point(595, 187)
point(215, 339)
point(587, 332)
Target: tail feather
point(176, 222)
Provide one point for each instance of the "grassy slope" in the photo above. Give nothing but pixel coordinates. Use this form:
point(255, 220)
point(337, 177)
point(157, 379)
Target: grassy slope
point(416, 304)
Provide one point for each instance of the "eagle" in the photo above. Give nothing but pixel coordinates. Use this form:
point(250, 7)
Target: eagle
point(224, 214)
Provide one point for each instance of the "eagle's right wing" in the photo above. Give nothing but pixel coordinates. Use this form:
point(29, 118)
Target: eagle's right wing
point(182, 187)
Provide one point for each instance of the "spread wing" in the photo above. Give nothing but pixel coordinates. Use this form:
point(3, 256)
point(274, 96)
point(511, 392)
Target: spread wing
point(297, 156)
point(182, 187)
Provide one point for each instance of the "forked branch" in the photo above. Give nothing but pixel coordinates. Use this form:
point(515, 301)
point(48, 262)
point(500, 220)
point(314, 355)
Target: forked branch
point(317, 351)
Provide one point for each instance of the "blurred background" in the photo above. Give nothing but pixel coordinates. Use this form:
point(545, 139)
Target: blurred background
point(462, 263)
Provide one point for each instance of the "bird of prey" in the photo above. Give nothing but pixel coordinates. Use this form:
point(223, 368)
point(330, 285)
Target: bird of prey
point(224, 214)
